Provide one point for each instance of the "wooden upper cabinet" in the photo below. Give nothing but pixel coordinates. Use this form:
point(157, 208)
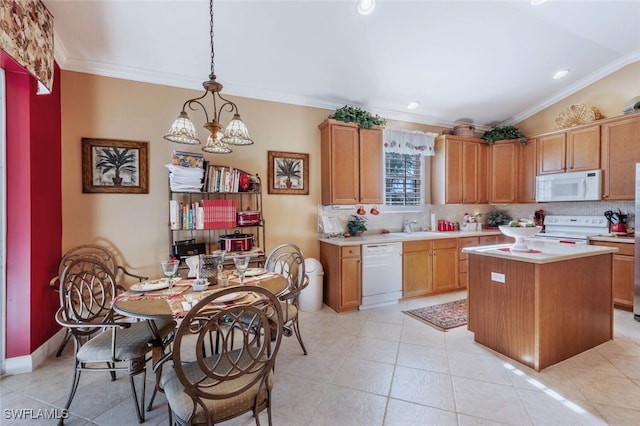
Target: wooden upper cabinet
point(503, 174)
point(371, 166)
point(459, 171)
point(527, 171)
point(620, 153)
point(344, 149)
point(552, 153)
point(583, 149)
point(569, 151)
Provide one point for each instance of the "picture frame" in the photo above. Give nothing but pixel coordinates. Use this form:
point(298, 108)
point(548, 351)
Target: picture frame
point(115, 166)
point(288, 173)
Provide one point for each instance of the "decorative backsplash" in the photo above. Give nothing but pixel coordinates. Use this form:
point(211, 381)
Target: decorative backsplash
point(393, 221)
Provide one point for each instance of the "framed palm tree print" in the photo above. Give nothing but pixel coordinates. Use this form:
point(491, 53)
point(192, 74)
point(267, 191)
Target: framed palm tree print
point(288, 173)
point(115, 166)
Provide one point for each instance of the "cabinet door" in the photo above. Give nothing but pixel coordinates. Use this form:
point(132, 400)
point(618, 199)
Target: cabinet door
point(453, 171)
point(583, 149)
point(622, 280)
point(620, 153)
point(503, 172)
point(470, 171)
point(483, 173)
point(527, 171)
point(350, 279)
point(416, 268)
point(445, 265)
point(551, 154)
point(371, 166)
point(340, 164)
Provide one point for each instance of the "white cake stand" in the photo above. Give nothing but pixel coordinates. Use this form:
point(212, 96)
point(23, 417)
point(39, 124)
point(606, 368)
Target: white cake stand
point(520, 233)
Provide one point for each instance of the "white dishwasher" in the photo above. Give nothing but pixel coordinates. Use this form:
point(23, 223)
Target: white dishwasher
point(381, 274)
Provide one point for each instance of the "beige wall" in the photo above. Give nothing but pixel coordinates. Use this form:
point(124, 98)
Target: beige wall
point(609, 95)
point(136, 225)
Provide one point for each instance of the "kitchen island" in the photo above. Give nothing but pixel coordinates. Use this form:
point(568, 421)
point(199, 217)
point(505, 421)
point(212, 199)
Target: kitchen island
point(543, 306)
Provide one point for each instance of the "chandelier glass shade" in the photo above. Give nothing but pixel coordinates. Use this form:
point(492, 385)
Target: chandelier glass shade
point(216, 146)
point(183, 130)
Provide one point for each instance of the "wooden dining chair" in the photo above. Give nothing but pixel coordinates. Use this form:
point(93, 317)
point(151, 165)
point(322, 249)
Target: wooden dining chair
point(287, 260)
point(90, 251)
point(87, 288)
point(236, 375)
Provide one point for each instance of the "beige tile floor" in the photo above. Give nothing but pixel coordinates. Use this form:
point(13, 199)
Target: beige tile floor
point(381, 367)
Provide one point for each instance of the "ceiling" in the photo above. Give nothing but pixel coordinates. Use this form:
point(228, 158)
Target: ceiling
point(485, 62)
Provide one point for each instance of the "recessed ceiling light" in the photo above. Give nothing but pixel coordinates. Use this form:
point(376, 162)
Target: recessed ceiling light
point(413, 105)
point(365, 7)
point(560, 74)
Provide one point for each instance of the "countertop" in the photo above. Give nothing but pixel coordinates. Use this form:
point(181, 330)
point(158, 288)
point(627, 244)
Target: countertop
point(614, 239)
point(541, 251)
point(401, 236)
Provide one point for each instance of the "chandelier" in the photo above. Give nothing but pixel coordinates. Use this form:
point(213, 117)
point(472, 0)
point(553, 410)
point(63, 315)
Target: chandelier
point(183, 131)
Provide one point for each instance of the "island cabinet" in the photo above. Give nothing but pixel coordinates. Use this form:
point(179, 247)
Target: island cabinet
point(351, 163)
point(569, 151)
point(540, 313)
point(342, 276)
point(460, 171)
point(622, 273)
point(620, 153)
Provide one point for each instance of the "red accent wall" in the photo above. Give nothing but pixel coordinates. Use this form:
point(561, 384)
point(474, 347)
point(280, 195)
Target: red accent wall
point(34, 208)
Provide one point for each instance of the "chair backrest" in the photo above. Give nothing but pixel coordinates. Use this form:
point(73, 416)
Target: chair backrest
point(87, 288)
point(89, 251)
point(287, 259)
point(248, 332)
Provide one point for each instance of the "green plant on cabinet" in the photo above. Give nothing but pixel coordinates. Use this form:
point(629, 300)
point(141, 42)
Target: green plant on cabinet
point(351, 114)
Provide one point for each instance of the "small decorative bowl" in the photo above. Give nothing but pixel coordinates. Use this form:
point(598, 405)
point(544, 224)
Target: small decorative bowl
point(200, 284)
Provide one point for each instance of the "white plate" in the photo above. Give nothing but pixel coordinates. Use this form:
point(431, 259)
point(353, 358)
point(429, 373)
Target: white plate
point(229, 297)
point(252, 272)
point(150, 285)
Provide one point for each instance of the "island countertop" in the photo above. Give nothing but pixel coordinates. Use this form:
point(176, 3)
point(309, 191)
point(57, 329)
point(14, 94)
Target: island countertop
point(541, 251)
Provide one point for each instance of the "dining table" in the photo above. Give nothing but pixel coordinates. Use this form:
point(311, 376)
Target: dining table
point(152, 301)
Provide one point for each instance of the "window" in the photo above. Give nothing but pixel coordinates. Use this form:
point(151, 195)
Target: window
point(403, 179)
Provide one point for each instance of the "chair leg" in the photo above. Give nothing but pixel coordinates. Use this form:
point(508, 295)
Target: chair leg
point(74, 388)
point(64, 342)
point(296, 329)
point(139, 403)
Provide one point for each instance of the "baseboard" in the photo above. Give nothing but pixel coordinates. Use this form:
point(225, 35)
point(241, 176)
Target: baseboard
point(28, 363)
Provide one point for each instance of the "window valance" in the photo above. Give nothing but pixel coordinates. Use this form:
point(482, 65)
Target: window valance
point(26, 34)
point(408, 142)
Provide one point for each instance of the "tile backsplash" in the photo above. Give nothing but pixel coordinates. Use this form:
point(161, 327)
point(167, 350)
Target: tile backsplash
point(393, 221)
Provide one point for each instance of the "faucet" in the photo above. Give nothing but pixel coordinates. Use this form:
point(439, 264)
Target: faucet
point(407, 226)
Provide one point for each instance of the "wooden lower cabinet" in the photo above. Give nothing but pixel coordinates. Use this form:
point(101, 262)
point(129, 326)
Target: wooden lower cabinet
point(342, 276)
point(416, 268)
point(463, 258)
point(429, 266)
point(622, 272)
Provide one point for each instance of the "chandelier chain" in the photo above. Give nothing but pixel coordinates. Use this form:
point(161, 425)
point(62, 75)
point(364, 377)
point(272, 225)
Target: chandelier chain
point(211, 34)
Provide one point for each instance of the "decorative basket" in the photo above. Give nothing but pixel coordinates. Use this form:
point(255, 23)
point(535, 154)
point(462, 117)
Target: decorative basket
point(576, 115)
point(464, 130)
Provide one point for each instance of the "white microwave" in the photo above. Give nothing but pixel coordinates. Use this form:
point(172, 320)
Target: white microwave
point(572, 186)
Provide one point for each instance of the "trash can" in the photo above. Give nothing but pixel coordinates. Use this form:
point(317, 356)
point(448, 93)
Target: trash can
point(311, 297)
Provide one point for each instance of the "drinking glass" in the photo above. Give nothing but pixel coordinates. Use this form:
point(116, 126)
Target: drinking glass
point(169, 269)
point(241, 262)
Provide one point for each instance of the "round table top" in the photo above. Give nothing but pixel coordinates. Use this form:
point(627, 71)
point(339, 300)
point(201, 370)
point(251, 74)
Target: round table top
point(155, 306)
